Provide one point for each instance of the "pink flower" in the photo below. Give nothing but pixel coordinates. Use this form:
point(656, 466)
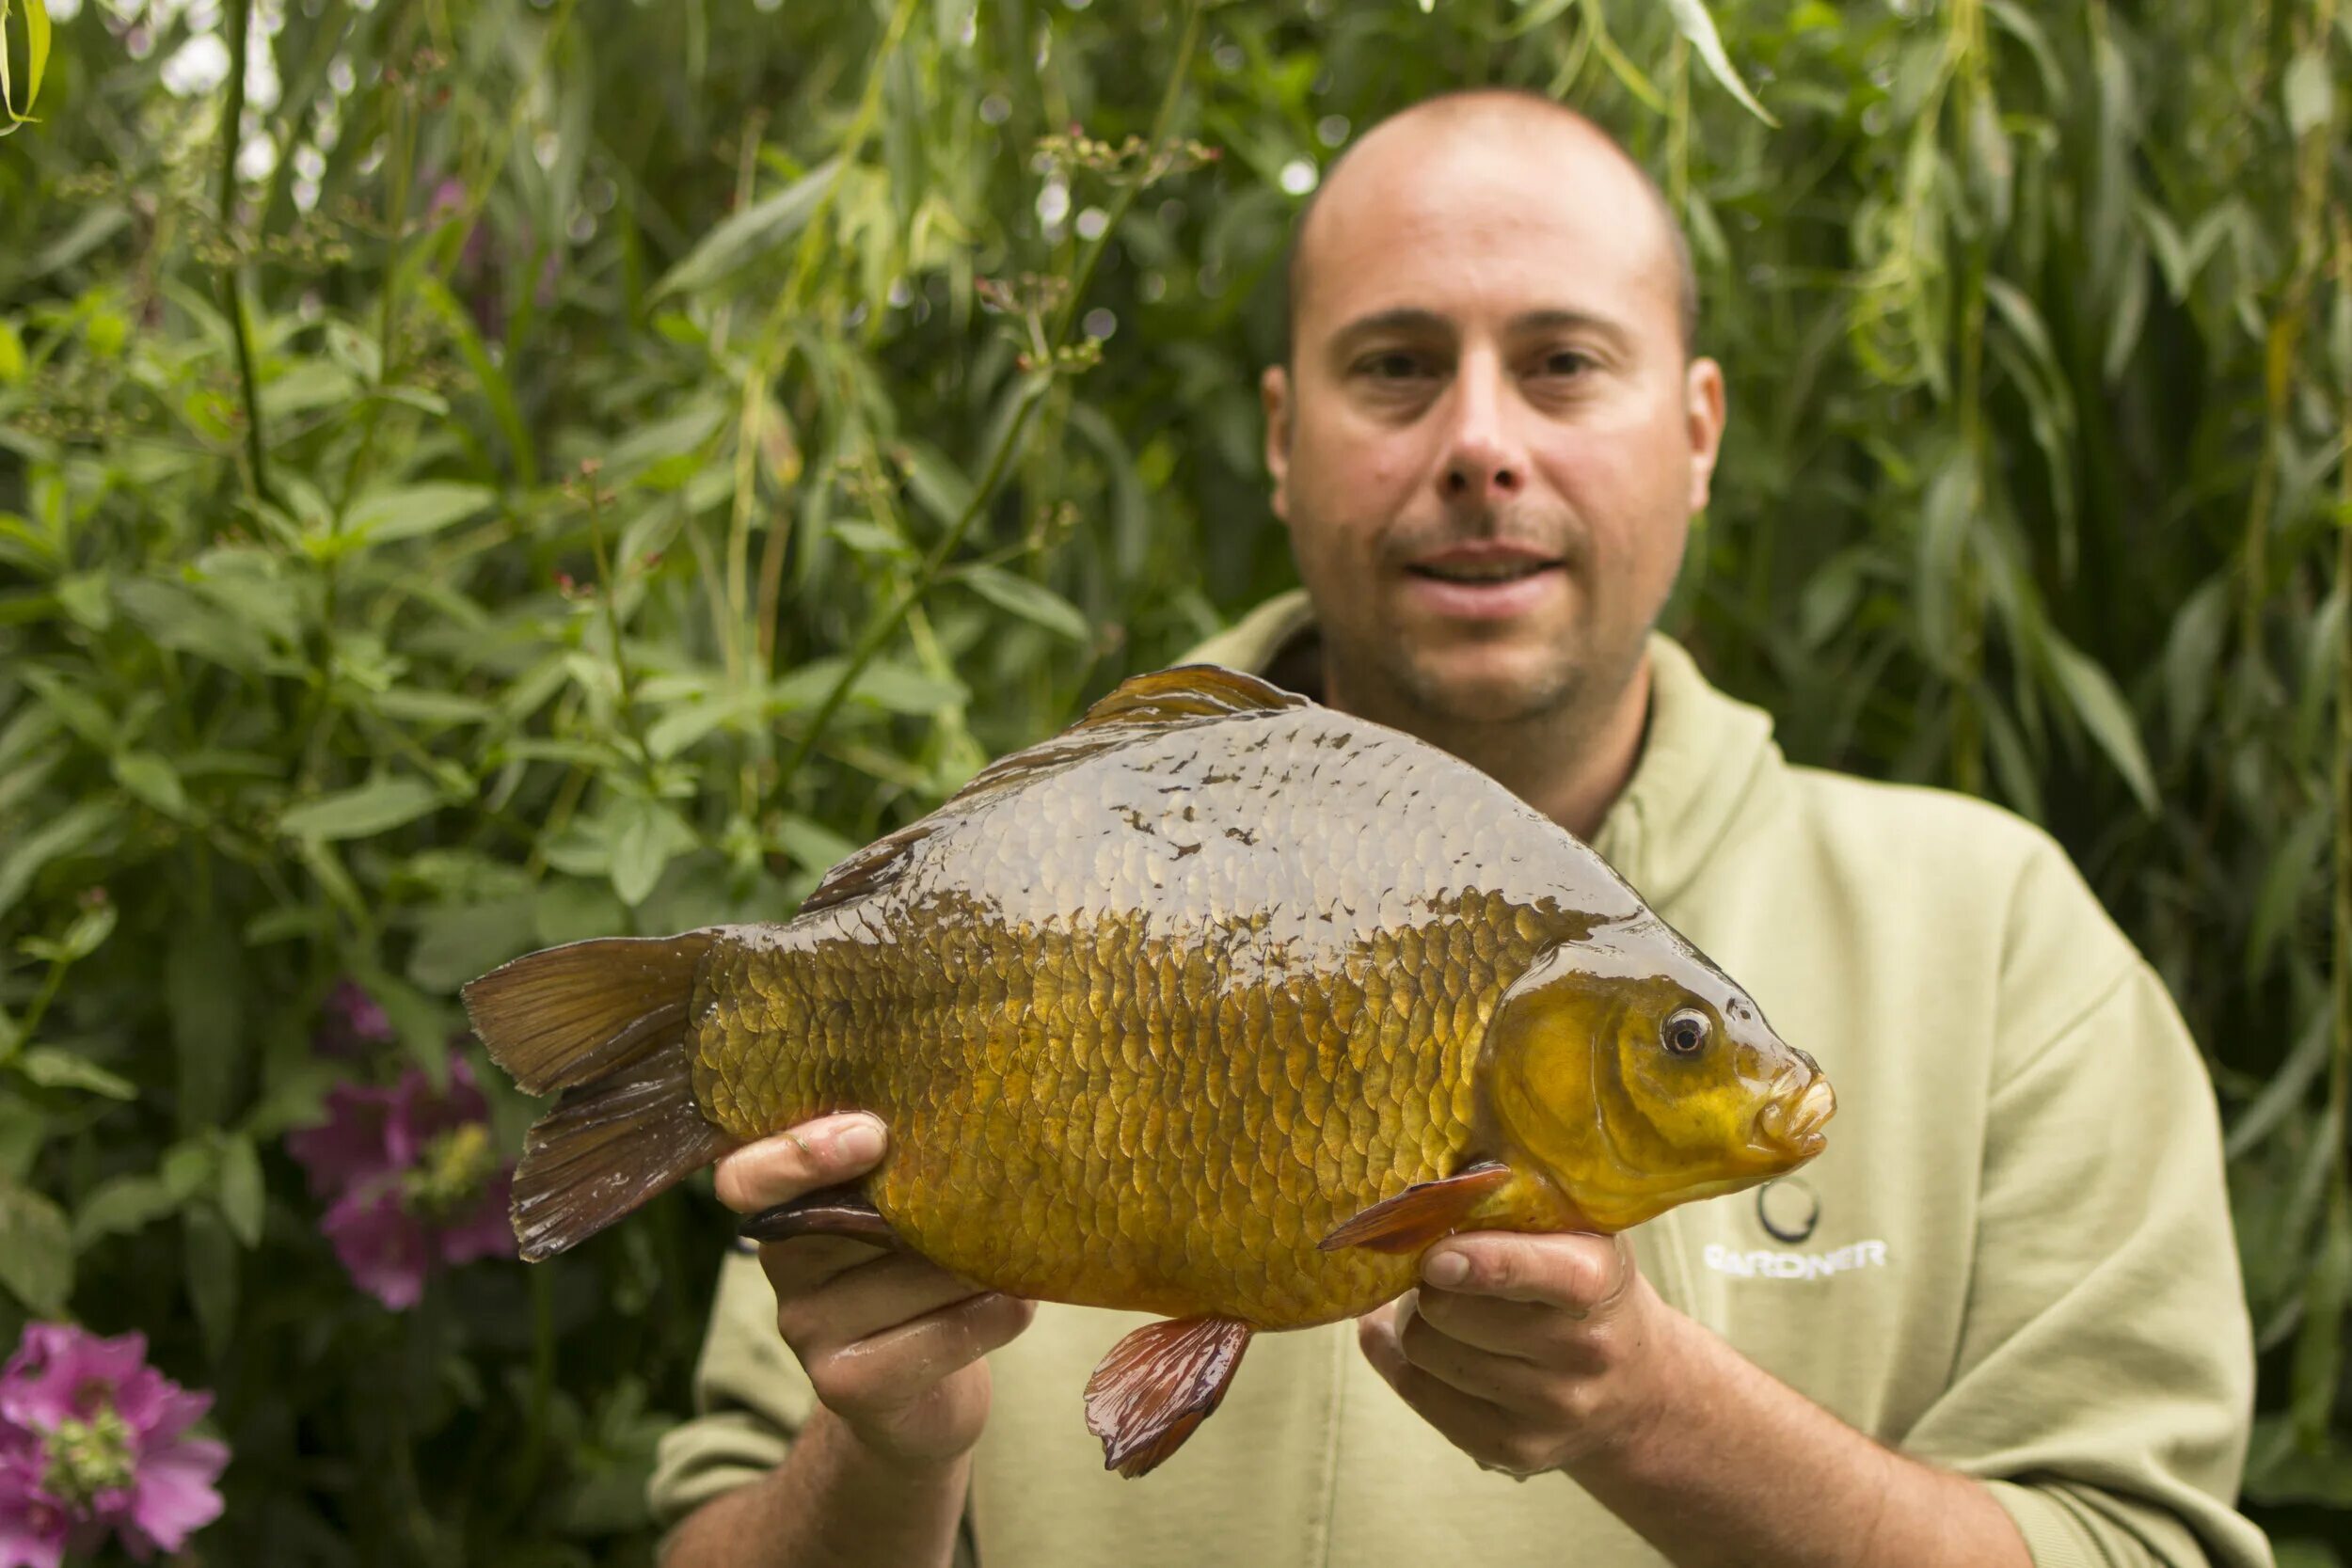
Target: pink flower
point(94, 1439)
point(351, 1022)
point(411, 1179)
point(33, 1525)
point(350, 1147)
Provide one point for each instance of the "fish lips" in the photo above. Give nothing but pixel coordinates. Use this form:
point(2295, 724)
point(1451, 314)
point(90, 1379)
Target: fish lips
point(1788, 1127)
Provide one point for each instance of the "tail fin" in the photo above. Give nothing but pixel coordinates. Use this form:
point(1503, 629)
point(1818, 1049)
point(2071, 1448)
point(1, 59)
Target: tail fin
point(605, 1022)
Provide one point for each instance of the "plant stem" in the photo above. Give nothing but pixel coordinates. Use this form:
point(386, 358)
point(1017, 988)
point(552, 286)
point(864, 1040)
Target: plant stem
point(2282, 340)
point(887, 626)
point(51, 984)
point(774, 351)
point(2340, 1071)
point(609, 584)
point(231, 288)
point(479, 175)
point(400, 164)
point(1679, 129)
point(1163, 121)
point(524, 1488)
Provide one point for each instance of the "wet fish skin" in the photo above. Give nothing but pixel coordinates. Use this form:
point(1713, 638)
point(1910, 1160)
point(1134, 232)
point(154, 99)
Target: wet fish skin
point(1219, 1004)
point(1148, 1029)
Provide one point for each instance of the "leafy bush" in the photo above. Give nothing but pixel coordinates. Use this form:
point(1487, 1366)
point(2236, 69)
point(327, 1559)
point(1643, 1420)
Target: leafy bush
point(591, 464)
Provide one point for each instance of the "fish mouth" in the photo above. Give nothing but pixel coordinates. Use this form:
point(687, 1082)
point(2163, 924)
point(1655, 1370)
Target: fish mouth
point(1790, 1128)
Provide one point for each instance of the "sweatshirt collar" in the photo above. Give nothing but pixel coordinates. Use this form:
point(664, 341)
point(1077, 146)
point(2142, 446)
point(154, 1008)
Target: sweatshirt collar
point(1703, 759)
point(1704, 755)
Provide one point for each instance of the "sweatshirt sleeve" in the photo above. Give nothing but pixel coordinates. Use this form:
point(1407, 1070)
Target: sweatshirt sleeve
point(751, 1397)
point(750, 1400)
point(2104, 1384)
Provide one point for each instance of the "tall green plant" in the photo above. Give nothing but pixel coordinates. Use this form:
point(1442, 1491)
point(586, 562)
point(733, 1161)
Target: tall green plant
point(549, 471)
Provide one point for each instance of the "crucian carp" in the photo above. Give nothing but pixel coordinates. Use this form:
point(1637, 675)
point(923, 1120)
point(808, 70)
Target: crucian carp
point(1219, 1004)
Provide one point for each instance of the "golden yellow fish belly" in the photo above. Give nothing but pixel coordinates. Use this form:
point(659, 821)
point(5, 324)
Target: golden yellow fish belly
point(1111, 1112)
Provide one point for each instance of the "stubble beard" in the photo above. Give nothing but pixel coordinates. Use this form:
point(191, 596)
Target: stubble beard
point(1566, 699)
point(1555, 689)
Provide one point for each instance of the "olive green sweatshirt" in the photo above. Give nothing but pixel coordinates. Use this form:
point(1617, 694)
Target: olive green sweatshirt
point(2013, 1259)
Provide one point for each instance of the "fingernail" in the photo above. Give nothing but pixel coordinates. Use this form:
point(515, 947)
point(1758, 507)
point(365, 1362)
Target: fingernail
point(1445, 1269)
point(860, 1140)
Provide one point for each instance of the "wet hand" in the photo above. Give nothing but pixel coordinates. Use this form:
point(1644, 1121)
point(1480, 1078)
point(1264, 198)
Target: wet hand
point(891, 1342)
point(1527, 1351)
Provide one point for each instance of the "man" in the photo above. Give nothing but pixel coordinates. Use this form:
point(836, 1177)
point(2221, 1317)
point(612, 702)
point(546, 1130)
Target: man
point(1997, 1322)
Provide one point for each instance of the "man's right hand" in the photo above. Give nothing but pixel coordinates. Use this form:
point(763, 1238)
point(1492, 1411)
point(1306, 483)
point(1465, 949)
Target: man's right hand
point(891, 1342)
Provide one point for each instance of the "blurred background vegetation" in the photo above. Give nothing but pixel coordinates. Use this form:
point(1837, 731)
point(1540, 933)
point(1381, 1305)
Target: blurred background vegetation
point(478, 473)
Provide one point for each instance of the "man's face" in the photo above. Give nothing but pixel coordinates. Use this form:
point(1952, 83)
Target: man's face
point(1489, 443)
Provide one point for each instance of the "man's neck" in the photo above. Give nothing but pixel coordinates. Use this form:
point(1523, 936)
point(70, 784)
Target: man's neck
point(1569, 767)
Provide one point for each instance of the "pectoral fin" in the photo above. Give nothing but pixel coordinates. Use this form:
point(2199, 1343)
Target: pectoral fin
point(842, 1211)
point(1158, 1384)
point(1421, 1215)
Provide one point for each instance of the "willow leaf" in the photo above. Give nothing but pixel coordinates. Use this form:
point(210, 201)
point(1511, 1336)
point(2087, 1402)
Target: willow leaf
point(1691, 17)
point(36, 62)
point(2103, 711)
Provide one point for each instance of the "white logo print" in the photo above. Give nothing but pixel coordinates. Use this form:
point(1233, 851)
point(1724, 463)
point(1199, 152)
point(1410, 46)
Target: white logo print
point(1794, 1265)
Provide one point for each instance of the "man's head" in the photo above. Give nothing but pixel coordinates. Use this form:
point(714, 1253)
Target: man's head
point(1489, 378)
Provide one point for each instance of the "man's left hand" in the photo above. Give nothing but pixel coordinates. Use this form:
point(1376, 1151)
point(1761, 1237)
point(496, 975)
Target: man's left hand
point(1527, 1351)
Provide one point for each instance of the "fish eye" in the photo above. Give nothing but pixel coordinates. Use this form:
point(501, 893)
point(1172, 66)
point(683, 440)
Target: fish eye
point(1685, 1032)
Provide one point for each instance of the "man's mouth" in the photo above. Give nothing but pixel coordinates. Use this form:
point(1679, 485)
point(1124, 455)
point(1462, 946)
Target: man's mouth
point(1495, 571)
point(1487, 564)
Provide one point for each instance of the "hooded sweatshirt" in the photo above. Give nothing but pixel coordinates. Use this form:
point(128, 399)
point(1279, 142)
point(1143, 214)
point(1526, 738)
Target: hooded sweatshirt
point(2013, 1259)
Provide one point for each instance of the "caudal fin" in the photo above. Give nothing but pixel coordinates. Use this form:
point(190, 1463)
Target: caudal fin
point(605, 1023)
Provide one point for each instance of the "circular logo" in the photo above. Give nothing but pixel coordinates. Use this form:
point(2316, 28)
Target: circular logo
point(1788, 1209)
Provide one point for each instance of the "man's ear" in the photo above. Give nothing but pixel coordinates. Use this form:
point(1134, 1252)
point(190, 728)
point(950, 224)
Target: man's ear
point(1274, 393)
point(1703, 419)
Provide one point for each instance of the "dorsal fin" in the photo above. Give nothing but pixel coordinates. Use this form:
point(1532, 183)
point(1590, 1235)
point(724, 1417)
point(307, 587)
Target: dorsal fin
point(872, 868)
point(1188, 694)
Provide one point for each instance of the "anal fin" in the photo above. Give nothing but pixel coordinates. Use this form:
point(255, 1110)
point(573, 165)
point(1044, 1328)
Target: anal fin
point(1421, 1215)
point(841, 1211)
point(1158, 1384)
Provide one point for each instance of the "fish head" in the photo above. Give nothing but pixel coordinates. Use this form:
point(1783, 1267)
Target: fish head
point(1635, 1075)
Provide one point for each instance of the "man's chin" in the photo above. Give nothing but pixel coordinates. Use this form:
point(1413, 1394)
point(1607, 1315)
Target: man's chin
point(1489, 692)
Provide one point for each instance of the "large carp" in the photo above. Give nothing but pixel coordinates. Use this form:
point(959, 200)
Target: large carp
point(1220, 1005)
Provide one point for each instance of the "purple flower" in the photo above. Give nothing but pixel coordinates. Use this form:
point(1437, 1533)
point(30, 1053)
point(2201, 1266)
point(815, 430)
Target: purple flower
point(94, 1439)
point(33, 1525)
point(411, 1180)
point(351, 1022)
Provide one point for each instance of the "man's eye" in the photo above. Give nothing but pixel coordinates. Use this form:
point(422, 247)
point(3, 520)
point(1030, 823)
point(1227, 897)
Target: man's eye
point(1395, 365)
point(1567, 362)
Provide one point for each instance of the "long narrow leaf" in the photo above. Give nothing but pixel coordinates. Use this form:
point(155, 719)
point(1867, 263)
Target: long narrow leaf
point(1697, 25)
point(36, 62)
point(2105, 714)
point(749, 233)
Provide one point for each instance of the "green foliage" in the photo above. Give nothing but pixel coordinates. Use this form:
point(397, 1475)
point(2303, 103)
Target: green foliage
point(592, 465)
point(36, 65)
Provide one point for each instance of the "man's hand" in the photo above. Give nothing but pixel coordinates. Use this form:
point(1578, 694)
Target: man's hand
point(1527, 1351)
point(1534, 1353)
point(891, 1343)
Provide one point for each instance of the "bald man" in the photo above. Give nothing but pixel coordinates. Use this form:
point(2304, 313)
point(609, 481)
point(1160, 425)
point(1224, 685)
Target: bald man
point(1998, 1322)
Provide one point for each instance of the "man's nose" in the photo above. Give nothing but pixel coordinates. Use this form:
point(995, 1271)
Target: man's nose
point(1483, 464)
